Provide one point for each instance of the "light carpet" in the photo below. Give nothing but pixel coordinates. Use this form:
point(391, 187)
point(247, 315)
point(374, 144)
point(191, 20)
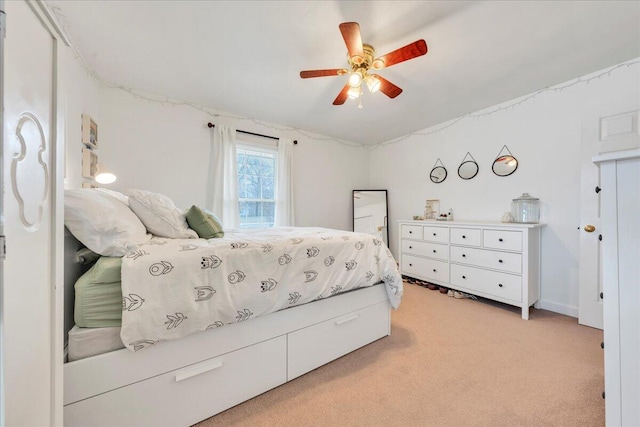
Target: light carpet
point(448, 362)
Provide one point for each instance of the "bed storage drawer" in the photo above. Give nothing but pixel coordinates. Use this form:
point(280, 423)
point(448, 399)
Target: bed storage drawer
point(316, 345)
point(192, 393)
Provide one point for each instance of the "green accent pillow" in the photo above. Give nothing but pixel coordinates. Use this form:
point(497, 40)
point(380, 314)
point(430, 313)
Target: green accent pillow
point(205, 223)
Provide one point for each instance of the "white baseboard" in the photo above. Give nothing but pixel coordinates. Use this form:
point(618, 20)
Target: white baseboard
point(567, 310)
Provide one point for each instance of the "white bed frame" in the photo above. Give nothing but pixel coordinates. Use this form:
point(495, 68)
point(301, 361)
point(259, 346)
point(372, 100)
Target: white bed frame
point(184, 381)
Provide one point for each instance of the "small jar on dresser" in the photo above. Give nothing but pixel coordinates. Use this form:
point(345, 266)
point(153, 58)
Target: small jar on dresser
point(498, 261)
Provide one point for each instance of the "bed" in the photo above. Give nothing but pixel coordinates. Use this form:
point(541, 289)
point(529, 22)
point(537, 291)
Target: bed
point(191, 363)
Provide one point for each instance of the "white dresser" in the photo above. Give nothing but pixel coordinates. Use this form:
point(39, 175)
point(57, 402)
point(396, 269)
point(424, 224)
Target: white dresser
point(493, 260)
point(620, 225)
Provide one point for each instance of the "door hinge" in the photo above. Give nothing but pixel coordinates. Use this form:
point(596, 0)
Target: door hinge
point(3, 248)
point(3, 24)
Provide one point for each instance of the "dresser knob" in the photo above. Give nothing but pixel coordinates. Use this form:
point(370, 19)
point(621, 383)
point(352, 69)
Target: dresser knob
point(434, 234)
point(410, 247)
point(410, 232)
point(464, 237)
point(601, 295)
point(434, 251)
point(410, 265)
point(602, 344)
point(500, 284)
point(500, 239)
point(464, 256)
point(603, 394)
point(464, 277)
point(500, 261)
point(434, 270)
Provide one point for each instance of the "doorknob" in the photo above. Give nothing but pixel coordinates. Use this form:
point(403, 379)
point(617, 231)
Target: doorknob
point(589, 228)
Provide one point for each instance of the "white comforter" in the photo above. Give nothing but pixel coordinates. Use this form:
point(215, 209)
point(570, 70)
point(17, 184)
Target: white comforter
point(175, 287)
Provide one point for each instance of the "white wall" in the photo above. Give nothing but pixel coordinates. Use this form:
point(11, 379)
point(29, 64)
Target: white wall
point(544, 134)
point(165, 148)
point(80, 94)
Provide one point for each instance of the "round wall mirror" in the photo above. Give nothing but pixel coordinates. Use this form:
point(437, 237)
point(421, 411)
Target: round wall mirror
point(438, 174)
point(468, 169)
point(504, 165)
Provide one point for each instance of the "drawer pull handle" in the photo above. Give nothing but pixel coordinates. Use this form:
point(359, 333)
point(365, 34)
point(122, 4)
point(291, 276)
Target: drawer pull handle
point(602, 344)
point(410, 232)
point(201, 369)
point(464, 277)
point(500, 261)
point(410, 247)
point(500, 239)
point(500, 284)
point(434, 270)
point(347, 319)
point(464, 256)
point(464, 237)
point(434, 234)
point(434, 251)
point(410, 265)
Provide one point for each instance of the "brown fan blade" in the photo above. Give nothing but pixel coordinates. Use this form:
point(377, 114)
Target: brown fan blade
point(388, 88)
point(410, 51)
point(351, 35)
point(322, 73)
point(342, 96)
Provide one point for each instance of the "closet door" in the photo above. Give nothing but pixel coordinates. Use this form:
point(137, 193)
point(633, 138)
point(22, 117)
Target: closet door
point(30, 300)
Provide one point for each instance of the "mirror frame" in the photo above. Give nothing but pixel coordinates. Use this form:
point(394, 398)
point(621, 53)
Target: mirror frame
point(431, 174)
point(385, 220)
point(493, 166)
point(469, 161)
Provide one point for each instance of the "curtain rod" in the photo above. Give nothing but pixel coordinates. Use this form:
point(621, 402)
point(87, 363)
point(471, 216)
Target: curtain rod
point(211, 125)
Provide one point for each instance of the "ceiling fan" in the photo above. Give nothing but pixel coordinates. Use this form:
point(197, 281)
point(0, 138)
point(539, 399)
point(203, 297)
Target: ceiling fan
point(360, 57)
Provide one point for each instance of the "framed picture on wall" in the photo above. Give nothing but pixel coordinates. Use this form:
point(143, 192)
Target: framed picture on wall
point(89, 163)
point(89, 132)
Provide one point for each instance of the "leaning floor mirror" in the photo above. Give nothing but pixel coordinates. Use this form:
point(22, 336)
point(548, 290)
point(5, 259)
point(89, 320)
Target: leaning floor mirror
point(370, 213)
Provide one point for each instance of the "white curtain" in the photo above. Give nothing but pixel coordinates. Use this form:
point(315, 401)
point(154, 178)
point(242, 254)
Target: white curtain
point(222, 199)
point(284, 191)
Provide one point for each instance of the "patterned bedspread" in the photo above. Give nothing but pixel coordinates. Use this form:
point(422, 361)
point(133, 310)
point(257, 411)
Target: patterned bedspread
point(175, 287)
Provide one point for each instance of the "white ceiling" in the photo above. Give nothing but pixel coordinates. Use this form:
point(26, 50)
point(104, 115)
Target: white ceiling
point(244, 57)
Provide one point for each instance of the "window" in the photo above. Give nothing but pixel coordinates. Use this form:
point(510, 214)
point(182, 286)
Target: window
point(256, 186)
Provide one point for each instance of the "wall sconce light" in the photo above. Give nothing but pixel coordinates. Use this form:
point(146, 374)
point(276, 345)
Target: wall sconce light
point(104, 175)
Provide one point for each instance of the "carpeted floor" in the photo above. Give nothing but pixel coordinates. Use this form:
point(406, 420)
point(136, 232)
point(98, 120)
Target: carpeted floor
point(448, 362)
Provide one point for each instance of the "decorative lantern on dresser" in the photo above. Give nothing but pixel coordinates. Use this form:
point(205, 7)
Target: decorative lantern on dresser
point(620, 224)
point(498, 261)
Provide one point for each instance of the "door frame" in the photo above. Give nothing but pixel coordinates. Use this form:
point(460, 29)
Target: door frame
point(57, 165)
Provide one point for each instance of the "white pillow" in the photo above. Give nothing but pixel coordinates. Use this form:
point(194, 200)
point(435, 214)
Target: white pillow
point(158, 213)
point(124, 199)
point(102, 222)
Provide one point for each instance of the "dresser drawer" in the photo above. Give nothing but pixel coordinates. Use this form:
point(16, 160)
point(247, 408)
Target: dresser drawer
point(506, 240)
point(490, 283)
point(505, 261)
point(432, 250)
point(316, 345)
point(192, 393)
point(411, 231)
point(425, 268)
point(466, 236)
point(436, 234)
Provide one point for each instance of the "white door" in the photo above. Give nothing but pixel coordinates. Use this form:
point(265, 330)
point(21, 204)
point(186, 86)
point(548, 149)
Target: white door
point(604, 129)
point(31, 331)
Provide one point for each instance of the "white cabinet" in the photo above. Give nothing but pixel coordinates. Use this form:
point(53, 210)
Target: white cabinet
point(492, 260)
point(620, 226)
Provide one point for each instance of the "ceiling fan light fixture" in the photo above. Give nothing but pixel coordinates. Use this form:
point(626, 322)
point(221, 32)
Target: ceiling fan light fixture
point(353, 92)
point(355, 79)
point(373, 83)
